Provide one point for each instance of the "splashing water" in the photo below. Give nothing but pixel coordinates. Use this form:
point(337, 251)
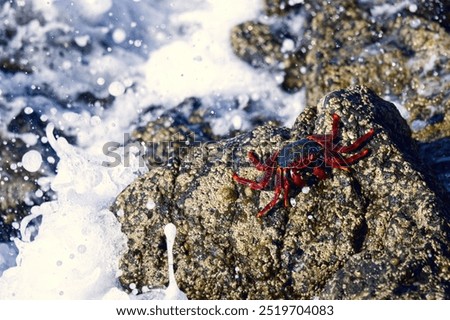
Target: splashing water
point(133, 53)
point(172, 292)
point(75, 254)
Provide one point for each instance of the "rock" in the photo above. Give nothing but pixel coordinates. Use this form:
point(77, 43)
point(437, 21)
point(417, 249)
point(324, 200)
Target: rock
point(19, 187)
point(172, 134)
point(436, 154)
point(379, 231)
point(401, 50)
point(168, 138)
point(255, 43)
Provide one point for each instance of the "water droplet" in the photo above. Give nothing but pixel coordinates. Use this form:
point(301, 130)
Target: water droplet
point(150, 204)
point(116, 88)
point(119, 35)
point(81, 248)
point(32, 161)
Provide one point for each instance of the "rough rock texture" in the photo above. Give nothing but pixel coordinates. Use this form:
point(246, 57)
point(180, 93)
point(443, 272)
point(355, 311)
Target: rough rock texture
point(169, 138)
point(402, 53)
point(377, 231)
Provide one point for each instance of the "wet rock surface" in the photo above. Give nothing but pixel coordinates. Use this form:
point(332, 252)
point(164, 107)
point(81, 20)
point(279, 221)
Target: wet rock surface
point(14, 190)
point(436, 155)
point(379, 231)
point(26, 52)
point(168, 138)
point(401, 50)
point(20, 189)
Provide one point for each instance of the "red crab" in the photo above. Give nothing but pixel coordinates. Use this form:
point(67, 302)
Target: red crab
point(314, 153)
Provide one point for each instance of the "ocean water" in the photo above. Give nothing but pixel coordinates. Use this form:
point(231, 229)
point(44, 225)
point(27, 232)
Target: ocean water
point(87, 69)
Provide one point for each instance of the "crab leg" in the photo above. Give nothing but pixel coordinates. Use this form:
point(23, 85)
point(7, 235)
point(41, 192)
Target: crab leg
point(255, 185)
point(276, 197)
point(356, 157)
point(297, 179)
point(324, 139)
point(335, 126)
point(258, 164)
point(320, 173)
point(286, 188)
point(267, 167)
point(355, 145)
point(341, 162)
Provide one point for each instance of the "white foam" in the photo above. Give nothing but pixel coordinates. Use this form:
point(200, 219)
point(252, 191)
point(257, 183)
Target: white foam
point(82, 41)
point(288, 45)
point(29, 138)
point(150, 205)
point(7, 257)
point(93, 9)
point(116, 88)
point(390, 9)
point(207, 65)
point(75, 254)
point(413, 8)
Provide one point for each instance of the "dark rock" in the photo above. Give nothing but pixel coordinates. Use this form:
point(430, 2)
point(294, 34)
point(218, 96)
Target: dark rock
point(377, 231)
point(432, 10)
point(436, 155)
point(18, 186)
point(12, 66)
point(435, 11)
point(168, 138)
point(255, 44)
point(402, 53)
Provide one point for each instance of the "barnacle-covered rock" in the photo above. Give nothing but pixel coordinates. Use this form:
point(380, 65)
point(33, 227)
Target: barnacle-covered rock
point(377, 231)
point(172, 134)
point(255, 43)
point(400, 49)
point(168, 138)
